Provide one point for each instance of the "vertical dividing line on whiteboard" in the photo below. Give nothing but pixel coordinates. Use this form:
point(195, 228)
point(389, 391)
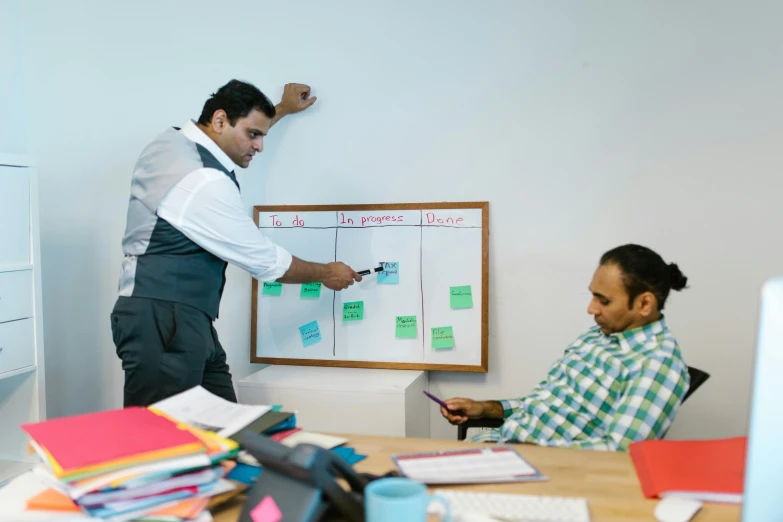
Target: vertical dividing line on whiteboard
point(334, 292)
point(421, 283)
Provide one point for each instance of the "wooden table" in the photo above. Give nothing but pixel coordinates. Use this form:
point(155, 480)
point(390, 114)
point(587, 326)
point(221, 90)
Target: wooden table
point(607, 480)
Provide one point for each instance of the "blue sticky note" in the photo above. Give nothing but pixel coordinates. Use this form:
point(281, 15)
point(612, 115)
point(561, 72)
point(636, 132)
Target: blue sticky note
point(349, 454)
point(310, 333)
point(244, 473)
point(390, 275)
point(355, 458)
point(344, 451)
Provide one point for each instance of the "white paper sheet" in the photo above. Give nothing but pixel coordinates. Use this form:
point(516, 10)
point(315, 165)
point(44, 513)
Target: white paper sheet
point(15, 494)
point(207, 411)
point(316, 439)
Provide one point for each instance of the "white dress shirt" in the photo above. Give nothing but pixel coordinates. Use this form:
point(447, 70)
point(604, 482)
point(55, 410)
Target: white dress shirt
point(207, 208)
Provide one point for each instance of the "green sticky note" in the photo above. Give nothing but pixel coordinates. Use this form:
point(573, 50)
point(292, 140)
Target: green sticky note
point(442, 337)
point(311, 290)
point(461, 297)
point(406, 326)
point(353, 311)
point(272, 288)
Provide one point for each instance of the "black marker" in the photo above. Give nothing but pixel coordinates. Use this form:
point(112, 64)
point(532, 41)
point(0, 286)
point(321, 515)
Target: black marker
point(368, 272)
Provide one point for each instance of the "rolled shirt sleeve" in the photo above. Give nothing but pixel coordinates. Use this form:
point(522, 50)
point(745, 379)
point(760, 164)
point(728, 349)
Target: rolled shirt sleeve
point(207, 208)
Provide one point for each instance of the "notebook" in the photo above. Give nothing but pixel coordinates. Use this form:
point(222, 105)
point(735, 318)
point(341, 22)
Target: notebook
point(469, 466)
point(705, 470)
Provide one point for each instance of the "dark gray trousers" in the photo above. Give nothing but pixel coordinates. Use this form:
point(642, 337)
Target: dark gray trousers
point(167, 348)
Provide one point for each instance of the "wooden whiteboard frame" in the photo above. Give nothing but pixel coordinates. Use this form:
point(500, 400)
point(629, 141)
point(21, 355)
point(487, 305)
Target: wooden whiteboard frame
point(482, 368)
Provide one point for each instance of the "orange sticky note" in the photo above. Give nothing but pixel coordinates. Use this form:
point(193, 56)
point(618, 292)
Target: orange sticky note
point(266, 511)
point(52, 500)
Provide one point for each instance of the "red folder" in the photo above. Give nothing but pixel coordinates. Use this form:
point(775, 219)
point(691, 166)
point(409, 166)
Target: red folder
point(93, 439)
point(706, 470)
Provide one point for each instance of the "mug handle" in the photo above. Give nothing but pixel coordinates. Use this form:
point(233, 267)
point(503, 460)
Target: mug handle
point(445, 503)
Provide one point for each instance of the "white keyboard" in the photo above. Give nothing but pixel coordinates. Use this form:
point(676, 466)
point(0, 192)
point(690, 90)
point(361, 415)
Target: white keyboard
point(516, 508)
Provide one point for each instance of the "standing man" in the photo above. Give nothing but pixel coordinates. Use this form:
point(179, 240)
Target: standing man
point(186, 222)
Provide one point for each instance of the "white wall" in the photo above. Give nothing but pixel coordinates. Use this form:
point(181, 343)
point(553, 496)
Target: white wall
point(13, 118)
point(585, 126)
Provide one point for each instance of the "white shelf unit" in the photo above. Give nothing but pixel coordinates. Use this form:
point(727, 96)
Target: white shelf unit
point(361, 401)
point(22, 385)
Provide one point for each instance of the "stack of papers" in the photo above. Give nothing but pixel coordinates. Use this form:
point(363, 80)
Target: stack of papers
point(156, 464)
point(123, 465)
point(470, 466)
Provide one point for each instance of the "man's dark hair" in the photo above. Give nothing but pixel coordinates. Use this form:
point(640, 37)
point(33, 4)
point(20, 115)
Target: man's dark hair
point(645, 271)
point(237, 98)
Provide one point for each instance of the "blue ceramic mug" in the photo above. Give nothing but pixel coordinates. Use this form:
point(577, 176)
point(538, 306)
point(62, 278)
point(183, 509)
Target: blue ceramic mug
point(400, 499)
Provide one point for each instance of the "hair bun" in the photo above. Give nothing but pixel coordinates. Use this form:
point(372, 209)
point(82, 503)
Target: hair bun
point(678, 280)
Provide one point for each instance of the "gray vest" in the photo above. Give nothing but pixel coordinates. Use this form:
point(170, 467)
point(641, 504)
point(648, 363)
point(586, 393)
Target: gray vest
point(160, 262)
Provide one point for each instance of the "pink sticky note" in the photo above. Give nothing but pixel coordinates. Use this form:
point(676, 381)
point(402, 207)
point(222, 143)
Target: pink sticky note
point(266, 511)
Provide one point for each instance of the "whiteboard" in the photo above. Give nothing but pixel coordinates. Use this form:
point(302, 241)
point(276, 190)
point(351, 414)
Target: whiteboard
point(435, 269)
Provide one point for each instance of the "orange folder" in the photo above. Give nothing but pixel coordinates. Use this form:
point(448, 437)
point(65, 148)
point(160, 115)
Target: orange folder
point(706, 470)
point(52, 500)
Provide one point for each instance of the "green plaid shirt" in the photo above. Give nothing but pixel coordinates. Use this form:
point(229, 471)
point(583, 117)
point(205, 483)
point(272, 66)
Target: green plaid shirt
point(605, 393)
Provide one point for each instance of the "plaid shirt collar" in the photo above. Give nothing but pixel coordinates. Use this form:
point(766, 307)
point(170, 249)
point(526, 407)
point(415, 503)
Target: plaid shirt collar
point(636, 337)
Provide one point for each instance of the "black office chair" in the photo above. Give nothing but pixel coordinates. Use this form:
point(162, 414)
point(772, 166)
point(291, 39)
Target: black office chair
point(698, 377)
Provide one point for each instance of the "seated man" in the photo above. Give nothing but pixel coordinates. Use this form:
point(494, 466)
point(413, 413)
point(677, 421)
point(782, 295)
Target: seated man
point(620, 382)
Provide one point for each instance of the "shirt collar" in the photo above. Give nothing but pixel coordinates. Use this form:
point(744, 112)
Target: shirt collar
point(639, 335)
point(192, 132)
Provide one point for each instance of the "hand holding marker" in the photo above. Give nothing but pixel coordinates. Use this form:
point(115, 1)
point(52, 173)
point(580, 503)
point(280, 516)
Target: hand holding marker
point(368, 272)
